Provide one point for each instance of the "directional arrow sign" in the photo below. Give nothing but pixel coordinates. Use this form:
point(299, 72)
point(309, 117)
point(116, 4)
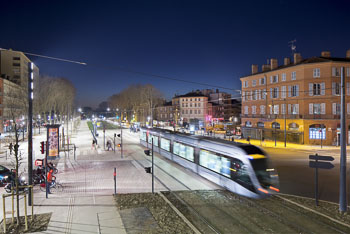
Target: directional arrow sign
point(318, 157)
point(323, 165)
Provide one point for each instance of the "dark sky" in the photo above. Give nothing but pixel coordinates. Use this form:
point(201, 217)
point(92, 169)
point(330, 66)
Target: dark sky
point(211, 42)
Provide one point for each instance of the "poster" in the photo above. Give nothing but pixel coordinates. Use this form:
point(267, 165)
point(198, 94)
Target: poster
point(53, 141)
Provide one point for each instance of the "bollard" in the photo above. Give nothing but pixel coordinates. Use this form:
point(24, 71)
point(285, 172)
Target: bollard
point(32, 203)
point(13, 207)
point(25, 212)
point(115, 181)
point(4, 220)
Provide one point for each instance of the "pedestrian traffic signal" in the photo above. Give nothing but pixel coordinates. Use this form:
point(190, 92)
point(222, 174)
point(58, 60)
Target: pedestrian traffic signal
point(119, 145)
point(148, 170)
point(42, 147)
point(148, 152)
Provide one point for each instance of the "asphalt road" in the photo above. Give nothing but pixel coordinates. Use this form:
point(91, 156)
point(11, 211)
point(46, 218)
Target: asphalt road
point(298, 179)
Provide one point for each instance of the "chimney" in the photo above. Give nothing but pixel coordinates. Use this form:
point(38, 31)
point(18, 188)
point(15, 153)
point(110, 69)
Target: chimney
point(254, 68)
point(286, 61)
point(348, 54)
point(274, 63)
point(265, 67)
point(326, 54)
point(297, 58)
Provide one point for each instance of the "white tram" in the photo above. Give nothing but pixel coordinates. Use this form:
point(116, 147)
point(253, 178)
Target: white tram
point(241, 168)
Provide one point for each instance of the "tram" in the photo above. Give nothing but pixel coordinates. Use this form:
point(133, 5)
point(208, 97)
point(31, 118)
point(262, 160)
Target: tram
point(241, 168)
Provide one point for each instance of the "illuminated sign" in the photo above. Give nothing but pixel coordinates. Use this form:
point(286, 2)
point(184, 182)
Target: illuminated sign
point(53, 140)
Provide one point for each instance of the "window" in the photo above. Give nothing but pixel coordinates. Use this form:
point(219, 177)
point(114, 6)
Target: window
point(191, 100)
point(254, 97)
point(283, 109)
point(155, 140)
point(253, 110)
point(316, 72)
point(274, 79)
point(195, 111)
point(276, 109)
point(199, 111)
point(195, 99)
point(184, 151)
point(317, 89)
point(317, 109)
point(199, 105)
point(260, 124)
point(295, 91)
point(293, 126)
point(248, 124)
point(215, 162)
point(284, 76)
point(195, 105)
point(262, 81)
point(317, 131)
point(16, 58)
point(336, 88)
point(165, 144)
point(276, 125)
point(16, 64)
point(262, 109)
point(143, 136)
point(283, 93)
point(294, 75)
point(348, 71)
point(335, 71)
point(190, 104)
point(294, 110)
point(183, 105)
point(245, 84)
point(246, 110)
point(191, 112)
point(336, 108)
point(186, 112)
point(263, 94)
point(253, 83)
point(274, 92)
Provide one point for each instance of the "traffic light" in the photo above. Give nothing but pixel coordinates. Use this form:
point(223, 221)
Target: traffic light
point(42, 147)
point(148, 170)
point(148, 152)
point(118, 135)
point(119, 145)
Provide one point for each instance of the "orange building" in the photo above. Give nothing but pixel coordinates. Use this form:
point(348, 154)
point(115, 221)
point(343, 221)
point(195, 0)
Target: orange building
point(299, 100)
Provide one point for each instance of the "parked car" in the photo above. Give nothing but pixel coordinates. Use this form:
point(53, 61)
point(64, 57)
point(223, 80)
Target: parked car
point(4, 173)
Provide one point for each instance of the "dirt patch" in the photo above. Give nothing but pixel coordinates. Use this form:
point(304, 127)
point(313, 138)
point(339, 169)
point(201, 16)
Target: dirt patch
point(39, 224)
point(165, 217)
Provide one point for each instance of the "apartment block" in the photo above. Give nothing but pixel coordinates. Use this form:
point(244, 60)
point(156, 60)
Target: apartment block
point(300, 98)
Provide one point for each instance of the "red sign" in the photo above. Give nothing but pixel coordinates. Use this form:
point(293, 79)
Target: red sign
point(38, 162)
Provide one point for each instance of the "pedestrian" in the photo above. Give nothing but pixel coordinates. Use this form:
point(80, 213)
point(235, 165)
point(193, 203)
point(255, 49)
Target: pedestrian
point(10, 147)
point(93, 144)
point(109, 145)
point(248, 139)
point(49, 180)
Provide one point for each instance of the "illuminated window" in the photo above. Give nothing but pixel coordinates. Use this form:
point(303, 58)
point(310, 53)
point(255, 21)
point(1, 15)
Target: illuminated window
point(317, 131)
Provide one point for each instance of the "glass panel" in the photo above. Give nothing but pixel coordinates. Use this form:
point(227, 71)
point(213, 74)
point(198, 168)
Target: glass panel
point(165, 144)
point(190, 153)
point(176, 149)
point(210, 161)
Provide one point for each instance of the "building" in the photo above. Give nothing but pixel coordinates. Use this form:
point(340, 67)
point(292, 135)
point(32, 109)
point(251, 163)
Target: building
point(299, 98)
point(13, 86)
point(193, 108)
point(165, 114)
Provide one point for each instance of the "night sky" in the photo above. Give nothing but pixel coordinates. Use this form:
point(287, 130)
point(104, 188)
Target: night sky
point(211, 42)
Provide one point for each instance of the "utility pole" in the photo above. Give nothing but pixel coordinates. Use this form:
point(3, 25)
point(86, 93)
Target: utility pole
point(342, 192)
point(152, 168)
point(30, 128)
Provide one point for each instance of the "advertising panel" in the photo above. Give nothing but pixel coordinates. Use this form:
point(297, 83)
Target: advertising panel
point(53, 140)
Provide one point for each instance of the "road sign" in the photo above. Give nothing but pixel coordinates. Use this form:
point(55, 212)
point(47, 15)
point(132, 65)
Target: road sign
point(323, 158)
point(322, 165)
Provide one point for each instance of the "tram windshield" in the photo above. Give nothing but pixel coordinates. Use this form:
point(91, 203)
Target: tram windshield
point(260, 166)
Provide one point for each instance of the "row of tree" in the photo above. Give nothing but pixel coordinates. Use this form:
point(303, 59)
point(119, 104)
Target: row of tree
point(136, 101)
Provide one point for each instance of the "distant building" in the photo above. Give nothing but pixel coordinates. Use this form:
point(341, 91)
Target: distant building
point(302, 97)
point(165, 114)
point(13, 86)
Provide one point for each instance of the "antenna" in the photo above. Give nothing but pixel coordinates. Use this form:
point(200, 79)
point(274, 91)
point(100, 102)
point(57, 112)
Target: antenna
point(292, 46)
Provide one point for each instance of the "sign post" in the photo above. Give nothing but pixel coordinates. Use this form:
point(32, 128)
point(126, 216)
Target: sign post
point(319, 164)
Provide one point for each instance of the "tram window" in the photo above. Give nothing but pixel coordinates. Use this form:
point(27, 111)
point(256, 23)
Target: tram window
point(260, 165)
point(184, 151)
point(240, 174)
point(155, 140)
point(165, 144)
point(215, 162)
point(143, 136)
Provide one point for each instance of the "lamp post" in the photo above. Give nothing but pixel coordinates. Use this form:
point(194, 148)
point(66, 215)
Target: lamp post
point(30, 128)
point(285, 124)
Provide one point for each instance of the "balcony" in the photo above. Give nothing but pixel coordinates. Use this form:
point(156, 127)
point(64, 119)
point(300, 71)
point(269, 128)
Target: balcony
point(281, 116)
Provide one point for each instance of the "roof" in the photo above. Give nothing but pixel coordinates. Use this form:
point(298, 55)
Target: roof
point(192, 94)
point(305, 61)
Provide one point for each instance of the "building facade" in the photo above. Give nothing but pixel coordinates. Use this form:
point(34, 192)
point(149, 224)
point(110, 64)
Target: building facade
point(298, 101)
point(165, 114)
point(193, 107)
point(13, 86)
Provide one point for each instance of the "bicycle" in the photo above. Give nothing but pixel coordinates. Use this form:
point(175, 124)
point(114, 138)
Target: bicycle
point(55, 187)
